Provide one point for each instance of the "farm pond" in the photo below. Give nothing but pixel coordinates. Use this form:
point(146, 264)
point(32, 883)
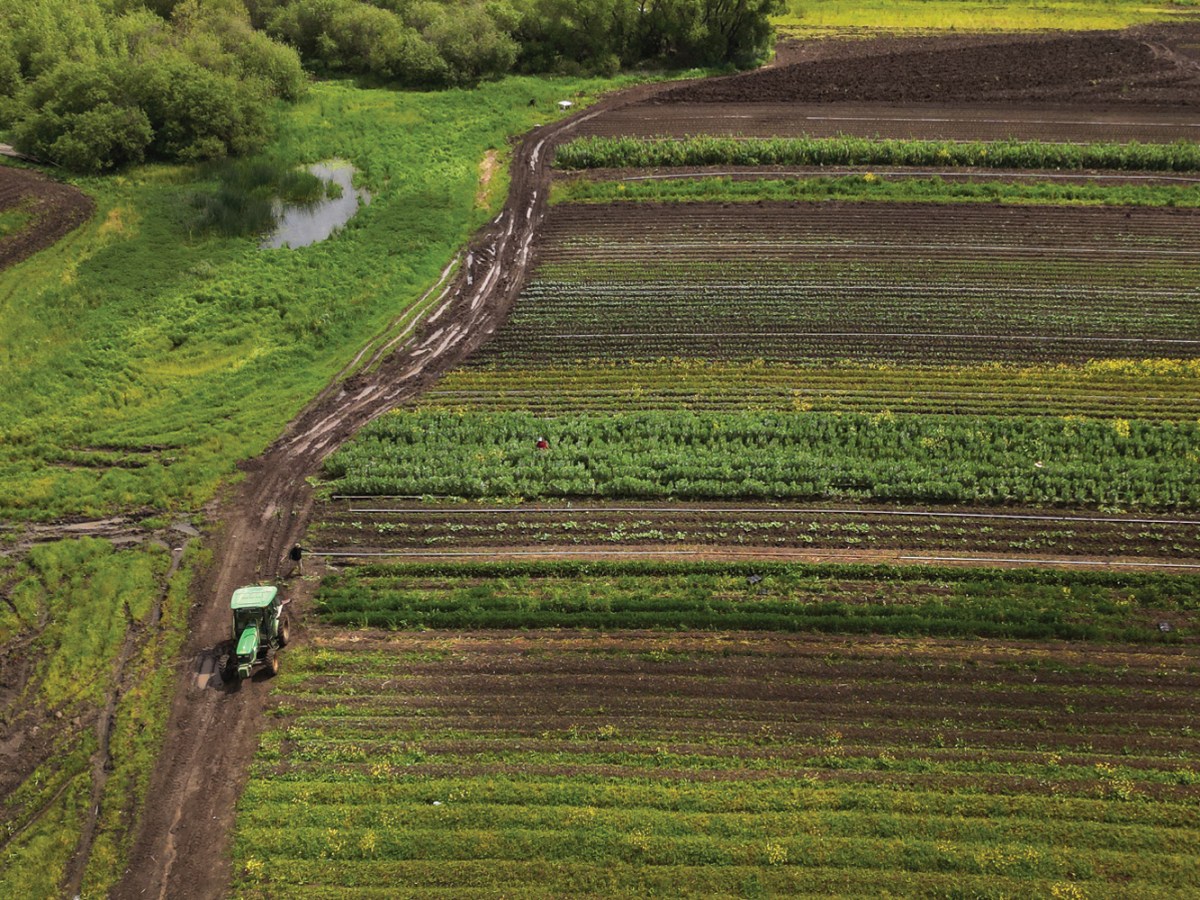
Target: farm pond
point(301, 224)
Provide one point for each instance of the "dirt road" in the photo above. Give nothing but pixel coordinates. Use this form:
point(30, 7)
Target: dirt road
point(181, 848)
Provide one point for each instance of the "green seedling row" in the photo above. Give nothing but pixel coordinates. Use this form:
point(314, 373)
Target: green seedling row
point(706, 150)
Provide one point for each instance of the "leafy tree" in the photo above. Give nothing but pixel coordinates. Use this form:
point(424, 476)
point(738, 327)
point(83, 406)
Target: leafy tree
point(218, 35)
point(198, 113)
point(469, 39)
point(10, 80)
point(45, 33)
point(82, 115)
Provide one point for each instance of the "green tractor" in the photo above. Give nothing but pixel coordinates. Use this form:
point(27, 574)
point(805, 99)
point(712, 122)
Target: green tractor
point(260, 629)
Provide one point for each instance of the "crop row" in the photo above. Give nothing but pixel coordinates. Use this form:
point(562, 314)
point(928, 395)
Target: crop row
point(1157, 389)
point(785, 601)
point(632, 152)
point(412, 530)
point(1094, 232)
point(904, 458)
point(869, 186)
point(918, 284)
point(685, 764)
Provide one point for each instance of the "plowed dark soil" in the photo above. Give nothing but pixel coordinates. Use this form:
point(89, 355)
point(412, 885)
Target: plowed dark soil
point(1076, 123)
point(1115, 68)
point(55, 210)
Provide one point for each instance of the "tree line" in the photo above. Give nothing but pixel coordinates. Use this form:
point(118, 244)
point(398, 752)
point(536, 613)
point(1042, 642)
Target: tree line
point(97, 84)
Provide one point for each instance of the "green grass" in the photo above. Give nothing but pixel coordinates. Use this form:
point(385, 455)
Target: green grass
point(1022, 460)
point(42, 822)
point(872, 187)
point(138, 727)
point(802, 17)
point(835, 599)
point(73, 605)
point(12, 221)
point(627, 152)
point(141, 359)
point(73, 601)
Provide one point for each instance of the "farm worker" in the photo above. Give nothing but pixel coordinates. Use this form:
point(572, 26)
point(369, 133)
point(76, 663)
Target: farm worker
point(296, 555)
point(542, 444)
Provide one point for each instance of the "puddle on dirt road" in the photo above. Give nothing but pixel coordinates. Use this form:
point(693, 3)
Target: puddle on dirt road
point(301, 224)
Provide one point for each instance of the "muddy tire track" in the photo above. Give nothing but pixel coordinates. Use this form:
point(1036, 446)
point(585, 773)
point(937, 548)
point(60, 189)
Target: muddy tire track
point(183, 837)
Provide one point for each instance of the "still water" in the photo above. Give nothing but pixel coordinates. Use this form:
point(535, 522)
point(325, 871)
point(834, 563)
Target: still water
point(301, 224)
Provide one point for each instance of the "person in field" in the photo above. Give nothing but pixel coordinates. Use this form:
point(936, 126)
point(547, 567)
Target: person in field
point(542, 444)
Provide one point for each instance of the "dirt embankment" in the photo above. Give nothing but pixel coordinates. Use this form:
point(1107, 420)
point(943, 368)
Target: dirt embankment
point(54, 210)
point(1138, 66)
point(182, 845)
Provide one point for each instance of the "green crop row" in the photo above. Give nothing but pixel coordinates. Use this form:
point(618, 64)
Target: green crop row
point(696, 150)
point(865, 599)
point(819, 456)
point(752, 799)
point(873, 187)
point(1151, 389)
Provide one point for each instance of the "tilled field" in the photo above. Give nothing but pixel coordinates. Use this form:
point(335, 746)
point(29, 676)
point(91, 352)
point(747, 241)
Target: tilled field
point(898, 283)
point(1125, 68)
point(54, 210)
point(379, 526)
point(687, 763)
point(1080, 124)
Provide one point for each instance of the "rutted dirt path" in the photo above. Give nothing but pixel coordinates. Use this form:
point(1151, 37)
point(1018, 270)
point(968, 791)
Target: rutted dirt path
point(181, 848)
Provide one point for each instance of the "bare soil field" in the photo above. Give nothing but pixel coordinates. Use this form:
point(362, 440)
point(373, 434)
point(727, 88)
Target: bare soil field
point(1080, 123)
point(1142, 84)
point(379, 526)
point(55, 210)
point(1138, 67)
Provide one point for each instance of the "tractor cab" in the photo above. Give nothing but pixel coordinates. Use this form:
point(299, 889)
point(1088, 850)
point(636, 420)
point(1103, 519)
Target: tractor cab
point(260, 627)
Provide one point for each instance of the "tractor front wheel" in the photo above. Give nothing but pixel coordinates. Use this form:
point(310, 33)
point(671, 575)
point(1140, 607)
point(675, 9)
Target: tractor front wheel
point(285, 630)
point(272, 668)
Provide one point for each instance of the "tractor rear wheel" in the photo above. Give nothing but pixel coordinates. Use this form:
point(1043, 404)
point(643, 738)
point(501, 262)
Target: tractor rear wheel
point(285, 630)
point(272, 664)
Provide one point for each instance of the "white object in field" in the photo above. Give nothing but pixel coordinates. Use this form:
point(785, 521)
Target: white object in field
point(565, 104)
